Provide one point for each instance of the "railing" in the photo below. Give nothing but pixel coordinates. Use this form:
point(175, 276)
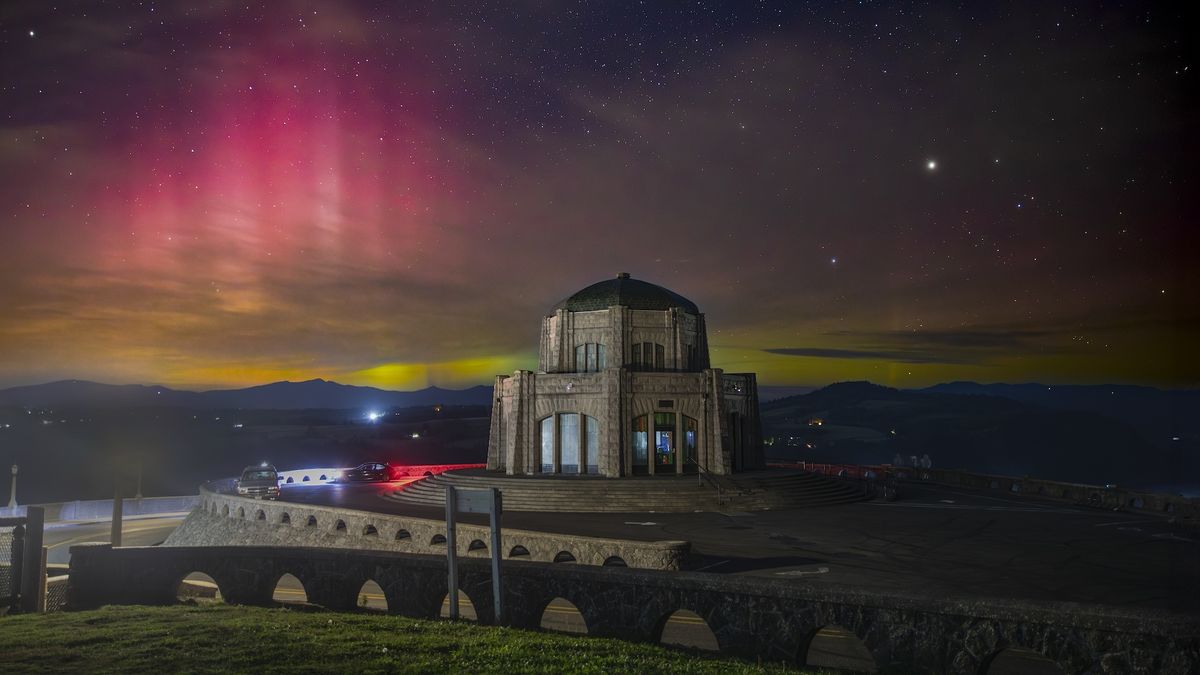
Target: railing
point(25, 584)
point(12, 554)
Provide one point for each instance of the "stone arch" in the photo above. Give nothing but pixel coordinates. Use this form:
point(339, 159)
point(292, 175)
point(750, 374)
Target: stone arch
point(833, 646)
point(371, 597)
point(225, 510)
point(476, 545)
point(197, 587)
point(370, 531)
point(402, 534)
point(242, 512)
point(286, 518)
point(290, 480)
point(428, 474)
point(288, 589)
point(260, 515)
point(340, 526)
point(686, 629)
point(614, 561)
point(437, 539)
point(466, 608)
point(564, 557)
point(305, 479)
point(324, 477)
point(1020, 660)
point(311, 522)
point(518, 551)
point(563, 616)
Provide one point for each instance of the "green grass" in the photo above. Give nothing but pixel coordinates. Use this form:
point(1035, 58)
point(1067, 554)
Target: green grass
point(223, 638)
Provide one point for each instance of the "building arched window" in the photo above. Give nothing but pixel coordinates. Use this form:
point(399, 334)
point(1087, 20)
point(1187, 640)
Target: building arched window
point(648, 356)
point(570, 444)
point(589, 358)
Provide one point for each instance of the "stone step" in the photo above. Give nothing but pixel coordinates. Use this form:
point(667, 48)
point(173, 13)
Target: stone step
point(679, 494)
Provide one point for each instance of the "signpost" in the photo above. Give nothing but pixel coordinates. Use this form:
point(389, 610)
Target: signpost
point(472, 501)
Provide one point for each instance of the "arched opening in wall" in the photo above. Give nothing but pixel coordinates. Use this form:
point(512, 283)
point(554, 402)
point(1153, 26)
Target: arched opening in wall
point(564, 557)
point(371, 597)
point(476, 545)
point(340, 526)
point(1021, 661)
point(563, 616)
point(836, 647)
point(402, 534)
point(615, 561)
point(305, 479)
point(312, 521)
point(197, 588)
point(260, 515)
point(370, 531)
point(289, 590)
point(290, 480)
point(427, 474)
point(286, 519)
point(466, 610)
point(324, 477)
point(687, 629)
point(225, 510)
point(438, 539)
point(242, 512)
point(518, 552)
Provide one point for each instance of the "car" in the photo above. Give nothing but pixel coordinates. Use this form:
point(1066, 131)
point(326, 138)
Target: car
point(260, 482)
point(368, 472)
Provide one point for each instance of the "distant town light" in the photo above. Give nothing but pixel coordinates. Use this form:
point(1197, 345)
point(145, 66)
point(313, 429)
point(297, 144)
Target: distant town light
point(416, 435)
point(374, 415)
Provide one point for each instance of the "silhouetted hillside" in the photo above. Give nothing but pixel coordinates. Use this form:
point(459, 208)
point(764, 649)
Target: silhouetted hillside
point(275, 396)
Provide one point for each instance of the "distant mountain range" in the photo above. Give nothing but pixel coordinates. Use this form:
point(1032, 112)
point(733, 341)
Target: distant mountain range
point(311, 394)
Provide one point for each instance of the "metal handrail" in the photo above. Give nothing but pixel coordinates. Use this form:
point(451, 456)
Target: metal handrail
point(703, 474)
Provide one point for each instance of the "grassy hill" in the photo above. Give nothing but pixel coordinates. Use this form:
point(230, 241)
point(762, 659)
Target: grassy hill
point(219, 638)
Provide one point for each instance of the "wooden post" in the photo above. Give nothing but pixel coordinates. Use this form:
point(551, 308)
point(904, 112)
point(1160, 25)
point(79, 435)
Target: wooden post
point(451, 553)
point(32, 564)
point(41, 582)
point(496, 553)
point(117, 516)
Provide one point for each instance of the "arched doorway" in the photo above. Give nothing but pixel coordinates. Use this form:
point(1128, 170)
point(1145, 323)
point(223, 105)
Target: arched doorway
point(289, 591)
point(563, 616)
point(197, 588)
point(466, 609)
point(835, 647)
point(371, 597)
point(687, 629)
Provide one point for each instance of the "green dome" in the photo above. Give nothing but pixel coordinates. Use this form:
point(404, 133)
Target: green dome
point(627, 292)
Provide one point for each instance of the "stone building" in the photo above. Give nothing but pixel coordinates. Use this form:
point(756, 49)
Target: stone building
point(624, 387)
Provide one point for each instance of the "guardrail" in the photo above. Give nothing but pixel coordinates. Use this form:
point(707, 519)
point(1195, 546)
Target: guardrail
point(101, 509)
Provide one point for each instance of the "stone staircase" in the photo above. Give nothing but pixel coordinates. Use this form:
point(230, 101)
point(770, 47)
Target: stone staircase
point(750, 491)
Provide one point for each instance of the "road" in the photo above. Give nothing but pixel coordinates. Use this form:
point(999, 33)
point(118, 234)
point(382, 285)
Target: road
point(142, 531)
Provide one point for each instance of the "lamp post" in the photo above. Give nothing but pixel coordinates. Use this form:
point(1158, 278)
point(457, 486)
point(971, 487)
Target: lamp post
point(12, 491)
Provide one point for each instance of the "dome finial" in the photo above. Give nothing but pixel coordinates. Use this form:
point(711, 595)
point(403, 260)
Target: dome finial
point(622, 275)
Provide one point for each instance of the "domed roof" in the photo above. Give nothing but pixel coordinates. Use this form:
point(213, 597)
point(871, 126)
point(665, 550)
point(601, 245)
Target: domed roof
point(631, 293)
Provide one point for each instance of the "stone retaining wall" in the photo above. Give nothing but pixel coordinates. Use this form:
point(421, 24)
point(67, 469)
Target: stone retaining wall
point(224, 520)
point(755, 618)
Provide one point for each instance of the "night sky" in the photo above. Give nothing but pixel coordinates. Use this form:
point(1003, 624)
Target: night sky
point(394, 194)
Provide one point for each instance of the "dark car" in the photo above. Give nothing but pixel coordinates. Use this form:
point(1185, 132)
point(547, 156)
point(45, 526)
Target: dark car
point(371, 471)
point(259, 482)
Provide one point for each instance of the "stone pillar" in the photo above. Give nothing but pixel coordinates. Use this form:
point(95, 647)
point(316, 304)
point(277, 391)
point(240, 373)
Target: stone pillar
point(613, 442)
point(495, 456)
